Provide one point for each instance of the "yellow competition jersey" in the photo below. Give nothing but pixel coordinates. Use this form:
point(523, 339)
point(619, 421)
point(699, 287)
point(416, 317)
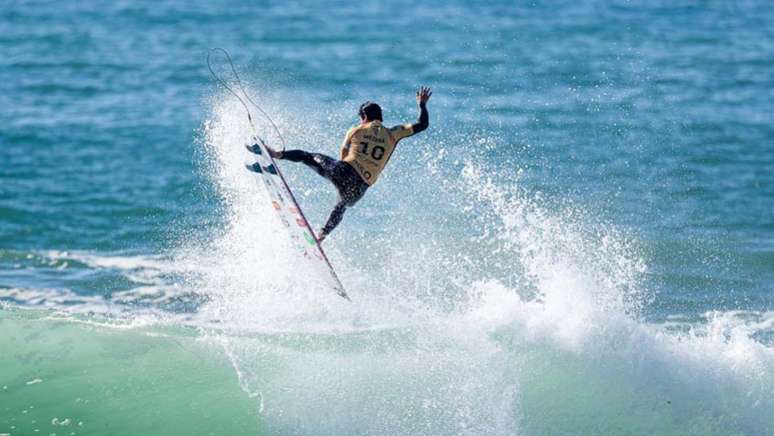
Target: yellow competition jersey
point(369, 147)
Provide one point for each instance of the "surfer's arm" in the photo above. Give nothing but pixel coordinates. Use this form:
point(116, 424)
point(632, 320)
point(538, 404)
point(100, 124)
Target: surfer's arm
point(423, 121)
point(423, 95)
point(345, 145)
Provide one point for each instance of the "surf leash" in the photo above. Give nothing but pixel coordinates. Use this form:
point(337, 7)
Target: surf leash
point(238, 81)
point(338, 287)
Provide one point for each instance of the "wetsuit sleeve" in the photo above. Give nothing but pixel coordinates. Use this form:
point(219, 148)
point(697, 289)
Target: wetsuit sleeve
point(402, 131)
point(423, 121)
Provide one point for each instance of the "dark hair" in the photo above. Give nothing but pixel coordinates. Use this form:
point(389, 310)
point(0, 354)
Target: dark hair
point(370, 111)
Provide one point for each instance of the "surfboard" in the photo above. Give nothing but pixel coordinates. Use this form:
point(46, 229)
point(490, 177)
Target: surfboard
point(283, 202)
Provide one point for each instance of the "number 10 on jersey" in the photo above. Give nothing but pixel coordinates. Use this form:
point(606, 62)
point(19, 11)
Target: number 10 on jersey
point(376, 152)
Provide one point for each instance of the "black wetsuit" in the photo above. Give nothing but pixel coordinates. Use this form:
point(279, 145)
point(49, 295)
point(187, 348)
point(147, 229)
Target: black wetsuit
point(346, 180)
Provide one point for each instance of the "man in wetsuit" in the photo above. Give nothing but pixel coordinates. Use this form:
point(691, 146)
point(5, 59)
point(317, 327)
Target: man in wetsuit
point(366, 150)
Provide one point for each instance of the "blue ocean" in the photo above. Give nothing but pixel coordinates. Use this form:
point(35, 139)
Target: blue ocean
point(581, 243)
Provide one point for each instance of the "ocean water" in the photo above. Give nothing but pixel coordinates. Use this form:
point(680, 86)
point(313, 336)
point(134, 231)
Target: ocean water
point(581, 243)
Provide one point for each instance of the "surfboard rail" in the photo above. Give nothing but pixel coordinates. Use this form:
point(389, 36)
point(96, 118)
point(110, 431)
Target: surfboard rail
point(286, 206)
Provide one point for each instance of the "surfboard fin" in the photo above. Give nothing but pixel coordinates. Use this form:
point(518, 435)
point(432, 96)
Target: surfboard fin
point(257, 168)
point(254, 148)
point(254, 167)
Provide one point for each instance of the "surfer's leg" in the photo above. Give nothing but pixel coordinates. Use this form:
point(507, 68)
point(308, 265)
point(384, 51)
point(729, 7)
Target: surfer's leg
point(334, 219)
point(320, 163)
point(348, 196)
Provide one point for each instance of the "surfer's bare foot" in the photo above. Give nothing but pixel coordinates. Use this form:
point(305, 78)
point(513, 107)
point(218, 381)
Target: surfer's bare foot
point(321, 237)
point(274, 153)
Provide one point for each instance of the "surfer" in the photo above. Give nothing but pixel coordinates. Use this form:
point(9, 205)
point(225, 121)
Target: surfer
point(364, 153)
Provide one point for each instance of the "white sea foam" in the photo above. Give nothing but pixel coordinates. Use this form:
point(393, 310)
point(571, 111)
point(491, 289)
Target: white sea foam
point(530, 325)
point(426, 350)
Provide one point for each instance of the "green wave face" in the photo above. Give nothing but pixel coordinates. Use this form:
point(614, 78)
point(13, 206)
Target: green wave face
point(71, 378)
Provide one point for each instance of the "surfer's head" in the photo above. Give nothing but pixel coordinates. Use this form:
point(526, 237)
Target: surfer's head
point(370, 111)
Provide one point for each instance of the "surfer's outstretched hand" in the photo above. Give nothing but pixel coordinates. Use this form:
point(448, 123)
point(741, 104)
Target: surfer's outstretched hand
point(423, 94)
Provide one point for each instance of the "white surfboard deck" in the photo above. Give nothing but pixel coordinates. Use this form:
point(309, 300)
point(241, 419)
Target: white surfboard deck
point(301, 234)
